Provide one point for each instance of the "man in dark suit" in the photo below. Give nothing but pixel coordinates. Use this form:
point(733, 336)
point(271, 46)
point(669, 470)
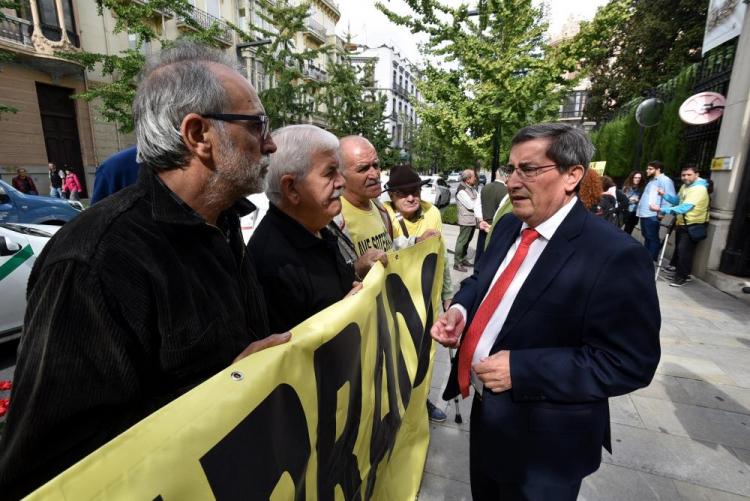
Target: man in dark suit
point(549, 336)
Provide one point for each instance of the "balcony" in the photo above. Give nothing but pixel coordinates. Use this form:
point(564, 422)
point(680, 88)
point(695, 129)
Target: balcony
point(16, 30)
point(315, 30)
point(312, 72)
point(205, 21)
point(398, 89)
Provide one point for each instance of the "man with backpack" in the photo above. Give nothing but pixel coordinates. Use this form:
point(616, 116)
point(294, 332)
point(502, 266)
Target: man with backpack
point(614, 203)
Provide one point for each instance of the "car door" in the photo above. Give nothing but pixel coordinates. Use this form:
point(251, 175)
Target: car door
point(16, 260)
point(8, 212)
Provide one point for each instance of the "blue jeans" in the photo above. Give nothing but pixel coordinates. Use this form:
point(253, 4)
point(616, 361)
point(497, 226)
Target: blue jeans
point(55, 192)
point(650, 230)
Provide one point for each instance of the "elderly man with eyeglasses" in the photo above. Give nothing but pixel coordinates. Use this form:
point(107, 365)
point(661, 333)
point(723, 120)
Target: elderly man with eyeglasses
point(543, 327)
point(149, 292)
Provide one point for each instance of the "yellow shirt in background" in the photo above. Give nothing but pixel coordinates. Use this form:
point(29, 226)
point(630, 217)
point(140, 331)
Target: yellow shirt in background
point(365, 228)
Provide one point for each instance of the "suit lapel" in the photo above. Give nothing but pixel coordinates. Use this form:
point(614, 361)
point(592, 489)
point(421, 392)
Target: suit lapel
point(552, 260)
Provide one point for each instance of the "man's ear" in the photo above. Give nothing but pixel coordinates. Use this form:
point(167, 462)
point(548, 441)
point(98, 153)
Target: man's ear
point(197, 135)
point(289, 189)
point(573, 177)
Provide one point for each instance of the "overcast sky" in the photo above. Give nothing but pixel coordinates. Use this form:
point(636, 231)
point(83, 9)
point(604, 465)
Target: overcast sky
point(370, 27)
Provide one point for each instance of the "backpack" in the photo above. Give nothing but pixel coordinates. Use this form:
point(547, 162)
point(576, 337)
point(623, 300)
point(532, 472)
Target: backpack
point(609, 209)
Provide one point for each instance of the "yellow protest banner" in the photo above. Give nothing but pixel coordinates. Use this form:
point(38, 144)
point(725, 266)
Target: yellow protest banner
point(337, 413)
point(598, 167)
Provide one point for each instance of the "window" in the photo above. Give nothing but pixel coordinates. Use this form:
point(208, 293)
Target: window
point(213, 8)
point(573, 105)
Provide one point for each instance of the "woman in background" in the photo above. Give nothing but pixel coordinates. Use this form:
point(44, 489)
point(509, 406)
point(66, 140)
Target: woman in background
point(633, 189)
point(71, 185)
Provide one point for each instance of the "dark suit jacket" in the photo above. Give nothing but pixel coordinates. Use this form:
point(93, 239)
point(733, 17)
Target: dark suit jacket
point(573, 344)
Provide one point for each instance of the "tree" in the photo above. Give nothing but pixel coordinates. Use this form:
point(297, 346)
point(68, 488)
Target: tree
point(352, 105)
point(291, 98)
point(649, 42)
point(6, 57)
point(132, 17)
point(486, 73)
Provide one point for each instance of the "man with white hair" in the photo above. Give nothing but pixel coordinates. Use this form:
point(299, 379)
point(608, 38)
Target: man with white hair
point(298, 260)
point(148, 293)
point(466, 194)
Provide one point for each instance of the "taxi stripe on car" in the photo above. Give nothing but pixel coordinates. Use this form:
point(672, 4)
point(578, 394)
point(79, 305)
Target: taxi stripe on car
point(14, 262)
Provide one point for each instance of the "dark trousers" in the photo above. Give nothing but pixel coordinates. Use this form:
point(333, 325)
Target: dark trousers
point(650, 230)
point(684, 250)
point(630, 221)
point(462, 243)
point(484, 488)
point(481, 237)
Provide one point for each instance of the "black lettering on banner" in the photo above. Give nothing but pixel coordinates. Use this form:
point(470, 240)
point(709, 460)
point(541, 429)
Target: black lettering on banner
point(383, 430)
point(400, 301)
point(248, 462)
point(338, 362)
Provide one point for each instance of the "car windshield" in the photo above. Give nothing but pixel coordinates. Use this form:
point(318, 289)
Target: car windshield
point(25, 230)
point(441, 182)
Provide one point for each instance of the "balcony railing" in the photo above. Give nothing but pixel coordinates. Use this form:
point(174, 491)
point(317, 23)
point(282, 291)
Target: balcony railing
point(16, 30)
point(316, 29)
point(398, 89)
point(205, 21)
point(313, 72)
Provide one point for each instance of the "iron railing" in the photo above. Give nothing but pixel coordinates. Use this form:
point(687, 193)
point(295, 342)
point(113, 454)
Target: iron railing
point(205, 21)
point(315, 28)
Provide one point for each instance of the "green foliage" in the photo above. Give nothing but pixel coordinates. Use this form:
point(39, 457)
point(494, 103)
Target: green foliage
point(116, 96)
point(616, 141)
point(648, 43)
point(6, 57)
point(497, 69)
point(450, 214)
point(291, 98)
point(430, 153)
point(353, 106)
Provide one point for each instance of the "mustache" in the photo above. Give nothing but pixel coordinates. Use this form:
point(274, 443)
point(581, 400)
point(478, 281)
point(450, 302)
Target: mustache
point(337, 193)
point(372, 183)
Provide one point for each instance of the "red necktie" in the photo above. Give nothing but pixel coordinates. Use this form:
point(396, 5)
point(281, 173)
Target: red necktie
point(488, 307)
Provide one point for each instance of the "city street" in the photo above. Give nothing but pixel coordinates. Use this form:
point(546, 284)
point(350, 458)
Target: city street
point(685, 437)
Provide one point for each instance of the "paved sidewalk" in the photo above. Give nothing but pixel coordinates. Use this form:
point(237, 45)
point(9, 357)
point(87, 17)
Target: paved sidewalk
point(685, 437)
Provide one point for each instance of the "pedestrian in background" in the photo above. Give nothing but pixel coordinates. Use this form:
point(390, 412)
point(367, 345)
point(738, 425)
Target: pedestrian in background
point(23, 183)
point(651, 197)
point(55, 180)
point(486, 205)
point(466, 195)
point(691, 208)
point(590, 191)
point(633, 189)
point(72, 186)
point(614, 203)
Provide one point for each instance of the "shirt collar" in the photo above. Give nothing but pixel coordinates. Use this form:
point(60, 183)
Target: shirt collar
point(167, 207)
point(548, 228)
point(297, 234)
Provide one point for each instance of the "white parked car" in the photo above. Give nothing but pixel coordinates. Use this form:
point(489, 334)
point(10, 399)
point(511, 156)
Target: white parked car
point(454, 177)
point(251, 221)
point(20, 244)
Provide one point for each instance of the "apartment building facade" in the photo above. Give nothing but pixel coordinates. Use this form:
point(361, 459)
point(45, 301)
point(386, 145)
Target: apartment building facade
point(396, 78)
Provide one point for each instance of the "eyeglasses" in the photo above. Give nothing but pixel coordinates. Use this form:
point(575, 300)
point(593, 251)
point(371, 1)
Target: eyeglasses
point(263, 120)
point(525, 172)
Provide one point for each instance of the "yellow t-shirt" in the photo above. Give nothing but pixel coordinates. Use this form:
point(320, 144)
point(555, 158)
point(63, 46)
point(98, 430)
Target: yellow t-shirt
point(364, 228)
point(429, 220)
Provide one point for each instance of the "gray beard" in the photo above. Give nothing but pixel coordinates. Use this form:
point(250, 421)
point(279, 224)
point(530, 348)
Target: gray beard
point(235, 177)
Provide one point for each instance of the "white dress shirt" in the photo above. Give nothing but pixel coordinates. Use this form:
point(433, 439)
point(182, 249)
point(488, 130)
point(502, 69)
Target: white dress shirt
point(546, 230)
